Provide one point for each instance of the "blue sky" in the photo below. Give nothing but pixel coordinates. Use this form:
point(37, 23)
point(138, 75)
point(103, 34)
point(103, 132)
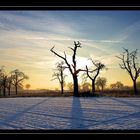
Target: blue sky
point(27, 36)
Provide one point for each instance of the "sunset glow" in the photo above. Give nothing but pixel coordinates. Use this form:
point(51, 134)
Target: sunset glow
point(26, 38)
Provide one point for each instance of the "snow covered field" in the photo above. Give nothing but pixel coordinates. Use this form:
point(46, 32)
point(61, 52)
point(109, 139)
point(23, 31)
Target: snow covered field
point(70, 113)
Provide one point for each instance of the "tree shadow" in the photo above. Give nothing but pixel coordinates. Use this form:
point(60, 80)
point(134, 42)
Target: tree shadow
point(126, 103)
point(118, 120)
point(19, 114)
point(77, 118)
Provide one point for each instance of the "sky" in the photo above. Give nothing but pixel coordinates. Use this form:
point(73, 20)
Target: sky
point(26, 38)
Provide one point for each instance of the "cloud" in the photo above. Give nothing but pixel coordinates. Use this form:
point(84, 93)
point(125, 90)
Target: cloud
point(35, 22)
point(26, 39)
point(123, 35)
point(30, 50)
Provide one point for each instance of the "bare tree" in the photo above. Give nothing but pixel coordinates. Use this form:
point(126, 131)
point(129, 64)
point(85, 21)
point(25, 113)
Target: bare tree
point(70, 86)
point(9, 84)
point(3, 80)
point(130, 65)
point(97, 67)
point(17, 78)
point(59, 75)
point(101, 82)
point(0, 85)
point(85, 86)
point(117, 85)
point(72, 67)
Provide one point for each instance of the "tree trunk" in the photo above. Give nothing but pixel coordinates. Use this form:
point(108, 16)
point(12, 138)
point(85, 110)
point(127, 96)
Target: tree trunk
point(75, 81)
point(9, 90)
point(93, 87)
point(102, 88)
point(16, 89)
point(4, 90)
point(62, 90)
point(135, 87)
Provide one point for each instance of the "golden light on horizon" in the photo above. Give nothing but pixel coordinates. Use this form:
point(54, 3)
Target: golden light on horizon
point(26, 38)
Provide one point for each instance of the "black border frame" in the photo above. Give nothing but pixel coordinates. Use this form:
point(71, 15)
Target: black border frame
point(57, 133)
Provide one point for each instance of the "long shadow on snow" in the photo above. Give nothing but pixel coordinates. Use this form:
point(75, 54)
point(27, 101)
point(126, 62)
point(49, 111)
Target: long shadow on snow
point(127, 116)
point(17, 115)
point(77, 121)
point(126, 103)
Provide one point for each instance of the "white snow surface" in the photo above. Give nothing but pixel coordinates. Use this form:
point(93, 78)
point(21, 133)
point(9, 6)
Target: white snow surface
point(70, 113)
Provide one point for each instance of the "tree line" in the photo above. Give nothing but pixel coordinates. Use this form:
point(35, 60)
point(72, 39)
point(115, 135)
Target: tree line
point(129, 64)
point(14, 80)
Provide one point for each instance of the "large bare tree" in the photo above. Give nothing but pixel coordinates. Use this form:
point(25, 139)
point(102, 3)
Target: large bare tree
point(59, 75)
point(92, 75)
point(130, 64)
point(72, 67)
point(17, 78)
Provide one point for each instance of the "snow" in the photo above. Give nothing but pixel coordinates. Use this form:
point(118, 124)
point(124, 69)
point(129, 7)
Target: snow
point(66, 113)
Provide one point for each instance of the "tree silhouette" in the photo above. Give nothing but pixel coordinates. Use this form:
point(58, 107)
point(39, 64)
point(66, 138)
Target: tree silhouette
point(27, 86)
point(3, 80)
point(101, 82)
point(72, 67)
point(70, 86)
point(59, 75)
point(138, 84)
point(92, 75)
point(117, 85)
point(9, 84)
point(4, 84)
point(85, 86)
point(130, 65)
point(0, 85)
point(17, 78)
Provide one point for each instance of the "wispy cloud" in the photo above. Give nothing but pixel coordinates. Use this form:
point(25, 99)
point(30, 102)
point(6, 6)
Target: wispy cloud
point(126, 32)
point(43, 23)
point(26, 39)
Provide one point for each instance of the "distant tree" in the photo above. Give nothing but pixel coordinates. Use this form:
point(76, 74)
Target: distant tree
point(138, 84)
point(0, 85)
point(86, 86)
point(70, 86)
point(131, 66)
point(117, 85)
point(56, 89)
point(17, 78)
point(4, 84)
point(27, 86)
point(3, 80)
point(97, 67)
point(59, 75)
point(112, 86)
point(127, 87)
point(9, 84)
point(72, 67)
point(101, 82)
